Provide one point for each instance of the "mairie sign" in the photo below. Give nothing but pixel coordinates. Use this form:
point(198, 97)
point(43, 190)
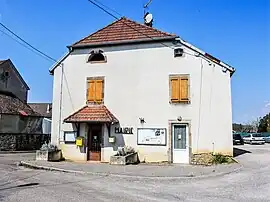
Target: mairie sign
point(124, 130)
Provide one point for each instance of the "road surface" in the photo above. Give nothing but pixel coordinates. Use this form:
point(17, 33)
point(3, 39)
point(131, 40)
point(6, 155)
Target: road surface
point(252, 183)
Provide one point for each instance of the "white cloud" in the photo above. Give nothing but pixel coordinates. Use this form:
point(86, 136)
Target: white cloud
point(267, 104)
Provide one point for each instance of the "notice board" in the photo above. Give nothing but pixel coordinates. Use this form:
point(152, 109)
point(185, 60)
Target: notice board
point(151, 136)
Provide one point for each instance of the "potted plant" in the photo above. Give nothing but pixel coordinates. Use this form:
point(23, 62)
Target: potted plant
point(125, 155)
point(49, 152)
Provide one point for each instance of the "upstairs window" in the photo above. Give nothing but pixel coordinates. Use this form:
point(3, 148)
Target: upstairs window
point(97, 57)
point(95, 90)
point(179, 89)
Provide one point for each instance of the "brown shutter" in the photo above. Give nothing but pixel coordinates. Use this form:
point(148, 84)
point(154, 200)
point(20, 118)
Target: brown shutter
point(99, 90)
point(175, 90)
point(184, 94)
point(91, 91)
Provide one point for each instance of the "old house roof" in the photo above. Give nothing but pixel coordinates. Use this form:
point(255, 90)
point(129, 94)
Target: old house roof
point(92, 113)
point(11, 65)
point(44, 109)
point(124, 30)
point(10, 104)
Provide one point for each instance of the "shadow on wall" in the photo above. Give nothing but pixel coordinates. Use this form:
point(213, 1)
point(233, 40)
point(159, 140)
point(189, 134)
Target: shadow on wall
point(119, 139)
point(238, 152)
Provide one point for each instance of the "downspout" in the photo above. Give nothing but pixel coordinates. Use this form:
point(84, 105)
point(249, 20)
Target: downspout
point(200, 106)
point(60, 105)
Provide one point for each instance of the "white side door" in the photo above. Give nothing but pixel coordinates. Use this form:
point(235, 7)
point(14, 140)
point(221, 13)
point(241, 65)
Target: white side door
point(180, 143)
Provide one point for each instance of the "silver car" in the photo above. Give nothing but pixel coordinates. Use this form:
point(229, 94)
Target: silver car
point(254, 138)
point(267, 139)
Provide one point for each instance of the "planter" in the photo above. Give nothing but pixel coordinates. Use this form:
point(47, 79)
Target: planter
point(48, 156)
point(124, 160)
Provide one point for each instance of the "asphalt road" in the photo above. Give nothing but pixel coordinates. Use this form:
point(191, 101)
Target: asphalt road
point(252, 183)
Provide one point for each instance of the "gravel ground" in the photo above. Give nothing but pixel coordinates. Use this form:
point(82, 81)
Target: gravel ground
point(252, 183)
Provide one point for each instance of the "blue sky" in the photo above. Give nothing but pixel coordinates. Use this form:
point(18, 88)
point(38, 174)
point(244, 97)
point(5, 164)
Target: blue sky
point(237, 32)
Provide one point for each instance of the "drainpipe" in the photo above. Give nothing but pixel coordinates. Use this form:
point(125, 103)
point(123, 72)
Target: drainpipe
point(200, 105)
point(60, 105)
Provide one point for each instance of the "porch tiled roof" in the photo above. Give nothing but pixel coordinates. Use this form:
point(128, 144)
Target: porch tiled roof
point(92, 113)
point(123, 30)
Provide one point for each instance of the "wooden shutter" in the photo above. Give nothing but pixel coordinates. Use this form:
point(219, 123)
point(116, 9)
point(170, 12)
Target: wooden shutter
point(184, 94)
point(175, 96)
point(99, 91)
point(91, 91)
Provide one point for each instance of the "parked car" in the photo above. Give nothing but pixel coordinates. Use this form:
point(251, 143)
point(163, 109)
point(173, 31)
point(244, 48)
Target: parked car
point(254, 138)
point(267, 139)
point(237, 139)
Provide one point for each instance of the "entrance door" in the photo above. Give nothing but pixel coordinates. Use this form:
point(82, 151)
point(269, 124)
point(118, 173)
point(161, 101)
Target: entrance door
point(94, 142)
point(180, 143)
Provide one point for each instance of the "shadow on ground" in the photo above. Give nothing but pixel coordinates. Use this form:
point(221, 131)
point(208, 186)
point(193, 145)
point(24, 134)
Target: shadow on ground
point(238, 152)
point(18, 186)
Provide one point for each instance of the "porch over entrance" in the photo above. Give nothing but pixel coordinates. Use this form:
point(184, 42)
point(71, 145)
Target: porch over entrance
point(92, 113)
point(95, 119)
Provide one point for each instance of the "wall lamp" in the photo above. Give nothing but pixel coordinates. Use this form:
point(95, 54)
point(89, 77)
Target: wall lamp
point(142, 120)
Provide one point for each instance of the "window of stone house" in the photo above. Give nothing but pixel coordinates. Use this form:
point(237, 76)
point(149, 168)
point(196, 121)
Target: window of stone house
point(179, 89)
point(97, 57)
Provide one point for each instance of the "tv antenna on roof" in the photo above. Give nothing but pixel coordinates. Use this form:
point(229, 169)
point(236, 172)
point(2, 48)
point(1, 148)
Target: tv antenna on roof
point(148, 17)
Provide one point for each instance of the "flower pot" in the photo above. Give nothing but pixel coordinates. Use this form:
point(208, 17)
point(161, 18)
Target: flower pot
point(124, 160)
point(48, 155)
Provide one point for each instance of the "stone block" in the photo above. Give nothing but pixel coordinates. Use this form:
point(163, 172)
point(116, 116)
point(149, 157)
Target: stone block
point(49, 156)
point(124, 160)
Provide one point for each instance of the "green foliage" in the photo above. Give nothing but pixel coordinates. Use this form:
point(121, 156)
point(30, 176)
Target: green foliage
point(264, 124)
point(48, 147)
point(123, 151)
point(219, 159)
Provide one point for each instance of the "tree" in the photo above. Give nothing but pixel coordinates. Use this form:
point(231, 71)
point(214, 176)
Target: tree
point(264, 124)
point(237, 127)
point(255, 125)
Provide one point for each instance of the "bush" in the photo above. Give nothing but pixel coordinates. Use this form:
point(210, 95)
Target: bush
point(219, 159)
point(123, 151)
point(48, 147)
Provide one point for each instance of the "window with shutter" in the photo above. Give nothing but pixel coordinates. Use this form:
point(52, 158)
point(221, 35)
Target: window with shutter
point(95, 90)
point(99, 90)
point(179, 89)
point(175, 90)
point(184, 89)
point(91, 91)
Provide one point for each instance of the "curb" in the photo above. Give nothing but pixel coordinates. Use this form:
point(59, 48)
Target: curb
point(17, 152)
point(33, 166)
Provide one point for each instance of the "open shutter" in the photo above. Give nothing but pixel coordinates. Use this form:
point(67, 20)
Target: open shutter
point(175, 90)
point(99, 90)
point(91, 91)
point(184, 94)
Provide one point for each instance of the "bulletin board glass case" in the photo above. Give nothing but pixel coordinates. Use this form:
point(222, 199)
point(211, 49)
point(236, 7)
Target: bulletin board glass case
point(151, 136)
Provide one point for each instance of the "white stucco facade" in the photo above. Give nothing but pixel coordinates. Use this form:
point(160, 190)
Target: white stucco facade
point(136, 85)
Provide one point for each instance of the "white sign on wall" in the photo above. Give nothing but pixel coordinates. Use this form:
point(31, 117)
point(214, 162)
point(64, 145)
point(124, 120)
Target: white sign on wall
point(70, 136)
point(151, 136)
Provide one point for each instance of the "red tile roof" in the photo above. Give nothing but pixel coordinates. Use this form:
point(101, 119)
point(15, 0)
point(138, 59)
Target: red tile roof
point(123, 30)
point(92, 113)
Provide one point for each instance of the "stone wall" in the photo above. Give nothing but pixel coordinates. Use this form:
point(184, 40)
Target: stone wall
point(21, 142)
point(202, 159)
